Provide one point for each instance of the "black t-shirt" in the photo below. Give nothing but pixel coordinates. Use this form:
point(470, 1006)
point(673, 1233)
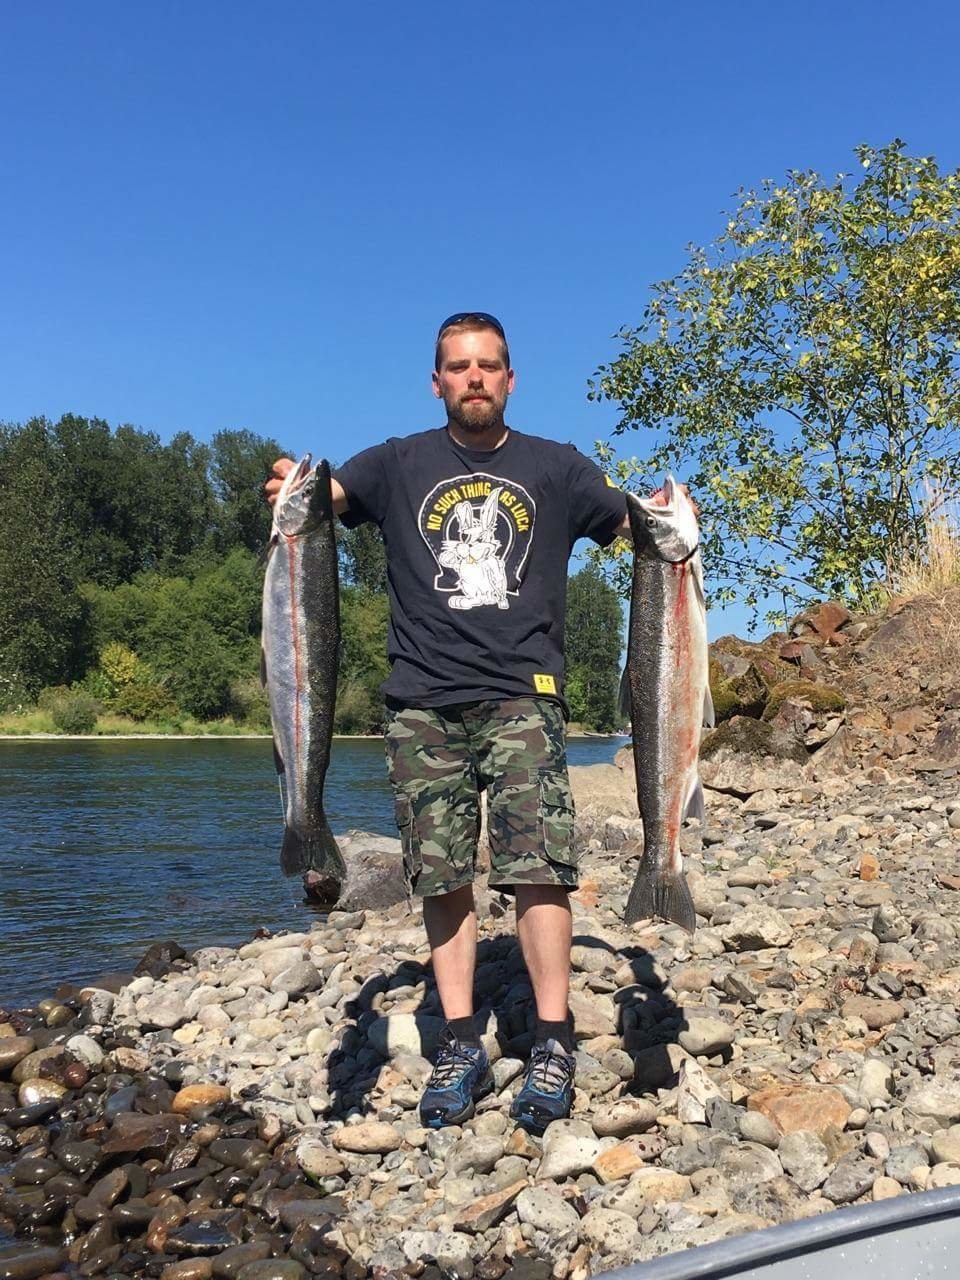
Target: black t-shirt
point(477, 548)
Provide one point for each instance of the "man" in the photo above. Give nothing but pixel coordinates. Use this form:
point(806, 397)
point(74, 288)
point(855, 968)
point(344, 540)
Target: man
point(479, 520)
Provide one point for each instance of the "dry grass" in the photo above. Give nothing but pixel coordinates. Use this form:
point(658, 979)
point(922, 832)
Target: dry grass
point(934, 568)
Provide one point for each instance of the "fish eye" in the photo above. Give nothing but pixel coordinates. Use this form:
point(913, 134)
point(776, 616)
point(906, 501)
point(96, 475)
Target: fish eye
point(650, 521)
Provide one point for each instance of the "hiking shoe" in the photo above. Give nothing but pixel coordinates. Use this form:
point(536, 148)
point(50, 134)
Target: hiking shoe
point(460, 1078)
point(547, 1092)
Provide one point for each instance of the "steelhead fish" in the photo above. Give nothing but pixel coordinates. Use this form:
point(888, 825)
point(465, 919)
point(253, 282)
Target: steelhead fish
point(300, 644)
point(666, 693)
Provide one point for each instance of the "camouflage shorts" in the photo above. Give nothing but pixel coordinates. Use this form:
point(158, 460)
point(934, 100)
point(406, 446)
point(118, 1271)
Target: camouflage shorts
point(441, 758)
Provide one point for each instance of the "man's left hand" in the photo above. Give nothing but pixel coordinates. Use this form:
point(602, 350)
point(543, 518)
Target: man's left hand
point(659, 496)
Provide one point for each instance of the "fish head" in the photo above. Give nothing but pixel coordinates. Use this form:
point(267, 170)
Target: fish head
point(664, 528)
point(303, 502)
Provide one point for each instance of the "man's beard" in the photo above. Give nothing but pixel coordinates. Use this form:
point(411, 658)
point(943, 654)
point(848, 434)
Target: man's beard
point(477, 417)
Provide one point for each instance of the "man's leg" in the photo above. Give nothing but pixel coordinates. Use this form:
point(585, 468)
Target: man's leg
point(451, 923)
point(431, 769)
point(544, 923)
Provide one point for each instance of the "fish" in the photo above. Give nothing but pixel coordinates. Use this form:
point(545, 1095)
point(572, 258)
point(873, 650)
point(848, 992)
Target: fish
point(300, 642)
point(666, 693)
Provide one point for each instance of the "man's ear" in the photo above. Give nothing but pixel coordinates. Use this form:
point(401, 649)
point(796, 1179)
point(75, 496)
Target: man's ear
point(435, 383)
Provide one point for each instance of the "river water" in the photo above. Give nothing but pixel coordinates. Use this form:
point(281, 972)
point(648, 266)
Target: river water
point(109, 845)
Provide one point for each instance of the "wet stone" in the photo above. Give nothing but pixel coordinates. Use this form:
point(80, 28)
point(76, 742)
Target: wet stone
point(28, 1261)
point(272, 1269)
point(34, 1170)
point(201, 1235)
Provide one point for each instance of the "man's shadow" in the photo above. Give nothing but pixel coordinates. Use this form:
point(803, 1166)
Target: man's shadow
point(646, 1018)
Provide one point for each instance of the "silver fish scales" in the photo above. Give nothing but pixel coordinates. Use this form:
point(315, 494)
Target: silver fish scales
point(666, 693)
point(300, 646)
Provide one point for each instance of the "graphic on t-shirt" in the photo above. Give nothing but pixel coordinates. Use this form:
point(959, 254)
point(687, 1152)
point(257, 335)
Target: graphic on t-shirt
point(478, 528)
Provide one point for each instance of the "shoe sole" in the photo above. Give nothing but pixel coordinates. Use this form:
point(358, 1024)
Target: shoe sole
point(485, 1087)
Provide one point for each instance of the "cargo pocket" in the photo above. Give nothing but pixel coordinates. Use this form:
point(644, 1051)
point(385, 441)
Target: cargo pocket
point(556, 816)
point(409, 838)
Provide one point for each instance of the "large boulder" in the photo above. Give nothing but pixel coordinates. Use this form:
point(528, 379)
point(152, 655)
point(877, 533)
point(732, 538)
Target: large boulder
point(744, 756)
point(375, 877)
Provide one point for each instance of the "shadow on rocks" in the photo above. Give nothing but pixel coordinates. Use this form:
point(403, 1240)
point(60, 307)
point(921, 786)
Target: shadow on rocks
point(626, 1027)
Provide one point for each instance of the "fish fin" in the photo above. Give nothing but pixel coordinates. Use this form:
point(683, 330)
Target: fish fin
point(626, 708)
point(315, 850)
point(660, 897)
point(263, 668)
point(693, 805)
point(709, 715)
point(278, 759)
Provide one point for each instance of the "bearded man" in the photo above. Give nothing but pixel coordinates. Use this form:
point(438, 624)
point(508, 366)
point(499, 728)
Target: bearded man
point(479, 520)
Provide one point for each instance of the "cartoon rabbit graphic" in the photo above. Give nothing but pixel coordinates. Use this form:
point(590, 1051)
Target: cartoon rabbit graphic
point(481, 573)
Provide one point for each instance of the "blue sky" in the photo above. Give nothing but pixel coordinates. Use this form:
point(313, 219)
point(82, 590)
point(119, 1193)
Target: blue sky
point(236, 214)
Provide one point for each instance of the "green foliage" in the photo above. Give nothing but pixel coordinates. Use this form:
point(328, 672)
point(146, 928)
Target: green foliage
point(802, 374)
point(249, 703)
point(134, 565)
point(41, 614)
point(119, 664)
point(145, 701)
point(363, 667)
point(72, 710)
point(593, 629)
point(241, 462)
point(363, 557)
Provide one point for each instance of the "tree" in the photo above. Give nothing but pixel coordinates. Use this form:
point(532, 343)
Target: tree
point(241, 463)
point(131, 502)
point(363, 557)
point(802, 374)
point(41, 614)
point(593, 649)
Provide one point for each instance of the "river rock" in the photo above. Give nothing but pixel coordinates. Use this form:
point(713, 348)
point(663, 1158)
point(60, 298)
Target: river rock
point(405, 1033)
point(756, 927)
point(805, 1158)
point(935, 1104)
point(569, 1148)
point(706, 1036)
point(369, 1136)
point(13, 1049)
point(811, 1107)
point(199, 1095)
point(545, 1210)
point(610, 1231)
point(27, 1261)
point(624, 1117)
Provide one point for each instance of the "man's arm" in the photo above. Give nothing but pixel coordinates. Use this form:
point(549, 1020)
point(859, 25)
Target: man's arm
point(278, 474)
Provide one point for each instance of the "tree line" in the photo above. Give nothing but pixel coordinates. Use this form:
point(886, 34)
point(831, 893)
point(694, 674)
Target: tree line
point(131, 573)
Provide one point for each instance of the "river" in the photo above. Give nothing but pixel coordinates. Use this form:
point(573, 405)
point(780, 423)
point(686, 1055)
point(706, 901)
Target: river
point(107, 846)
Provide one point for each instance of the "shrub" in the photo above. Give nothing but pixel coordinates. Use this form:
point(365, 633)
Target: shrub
point(249, 703)
point(13, 692)
point(74, 712)
point(148, 701)
point(98, 685)
point(358, 710)
point(52, 696)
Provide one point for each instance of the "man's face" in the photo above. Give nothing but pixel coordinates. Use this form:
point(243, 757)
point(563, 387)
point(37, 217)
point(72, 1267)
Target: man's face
point(473, 381)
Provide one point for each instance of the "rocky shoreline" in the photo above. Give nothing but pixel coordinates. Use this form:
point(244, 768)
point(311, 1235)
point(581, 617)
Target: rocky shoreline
point(251, 1112)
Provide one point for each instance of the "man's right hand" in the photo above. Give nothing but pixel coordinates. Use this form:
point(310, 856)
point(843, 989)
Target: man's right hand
point(278, 473)
point(282, 468)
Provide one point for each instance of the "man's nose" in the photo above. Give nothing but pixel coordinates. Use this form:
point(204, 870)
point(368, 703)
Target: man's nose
point(475, 377)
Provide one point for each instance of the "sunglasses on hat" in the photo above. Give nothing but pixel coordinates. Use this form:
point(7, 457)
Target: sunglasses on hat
point(460, 316)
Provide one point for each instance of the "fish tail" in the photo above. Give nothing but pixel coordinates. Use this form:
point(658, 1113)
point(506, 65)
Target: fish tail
point(314, 850)
point(663, 897)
